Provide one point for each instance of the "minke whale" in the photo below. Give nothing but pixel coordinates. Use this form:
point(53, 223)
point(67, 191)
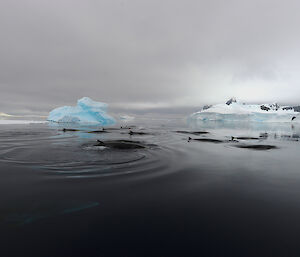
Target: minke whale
point(121, 144)
point(209, 140)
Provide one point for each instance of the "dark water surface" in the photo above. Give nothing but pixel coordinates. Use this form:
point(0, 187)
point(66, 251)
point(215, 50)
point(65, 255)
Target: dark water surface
point(167, 189)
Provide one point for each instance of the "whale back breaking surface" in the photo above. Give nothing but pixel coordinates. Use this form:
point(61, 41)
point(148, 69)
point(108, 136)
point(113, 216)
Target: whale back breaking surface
point(121, 144)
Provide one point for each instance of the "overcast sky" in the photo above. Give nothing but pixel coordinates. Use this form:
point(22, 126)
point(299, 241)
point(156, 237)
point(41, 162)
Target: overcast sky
point(147, 54)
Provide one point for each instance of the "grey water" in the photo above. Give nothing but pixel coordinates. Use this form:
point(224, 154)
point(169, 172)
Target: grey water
point(150, 188)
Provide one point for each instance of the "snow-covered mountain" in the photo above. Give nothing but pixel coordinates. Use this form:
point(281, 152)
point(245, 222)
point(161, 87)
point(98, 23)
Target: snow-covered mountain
point(233, 110)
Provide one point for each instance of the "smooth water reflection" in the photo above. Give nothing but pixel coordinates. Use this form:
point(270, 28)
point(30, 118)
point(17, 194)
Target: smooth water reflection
point(208, 188)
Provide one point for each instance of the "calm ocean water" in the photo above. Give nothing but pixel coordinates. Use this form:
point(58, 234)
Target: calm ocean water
point(164, 189)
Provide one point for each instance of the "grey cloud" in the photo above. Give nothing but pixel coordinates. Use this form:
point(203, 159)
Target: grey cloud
point(147, 54)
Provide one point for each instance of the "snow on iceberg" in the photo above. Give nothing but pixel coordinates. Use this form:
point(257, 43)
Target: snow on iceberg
point(236, 111)
point(86, 111)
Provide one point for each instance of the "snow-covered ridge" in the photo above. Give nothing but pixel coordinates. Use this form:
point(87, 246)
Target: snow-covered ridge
point(2, 114)
point(15, 122)
point(234, 110)
point(86, 111)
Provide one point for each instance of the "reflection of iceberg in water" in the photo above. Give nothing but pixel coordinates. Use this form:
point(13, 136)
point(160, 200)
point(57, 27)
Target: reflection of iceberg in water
point(44, 212)
point(86, 111)
point(234, 111)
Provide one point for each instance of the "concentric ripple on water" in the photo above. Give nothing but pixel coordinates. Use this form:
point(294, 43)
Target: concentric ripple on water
point(77, 154)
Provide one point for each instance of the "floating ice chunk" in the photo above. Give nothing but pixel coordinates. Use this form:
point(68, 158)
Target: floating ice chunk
point(86, 111)
point(235, 111)
point(126, 118)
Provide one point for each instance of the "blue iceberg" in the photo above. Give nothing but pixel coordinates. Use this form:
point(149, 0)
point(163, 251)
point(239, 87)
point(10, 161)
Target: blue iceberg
point(87, 111)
